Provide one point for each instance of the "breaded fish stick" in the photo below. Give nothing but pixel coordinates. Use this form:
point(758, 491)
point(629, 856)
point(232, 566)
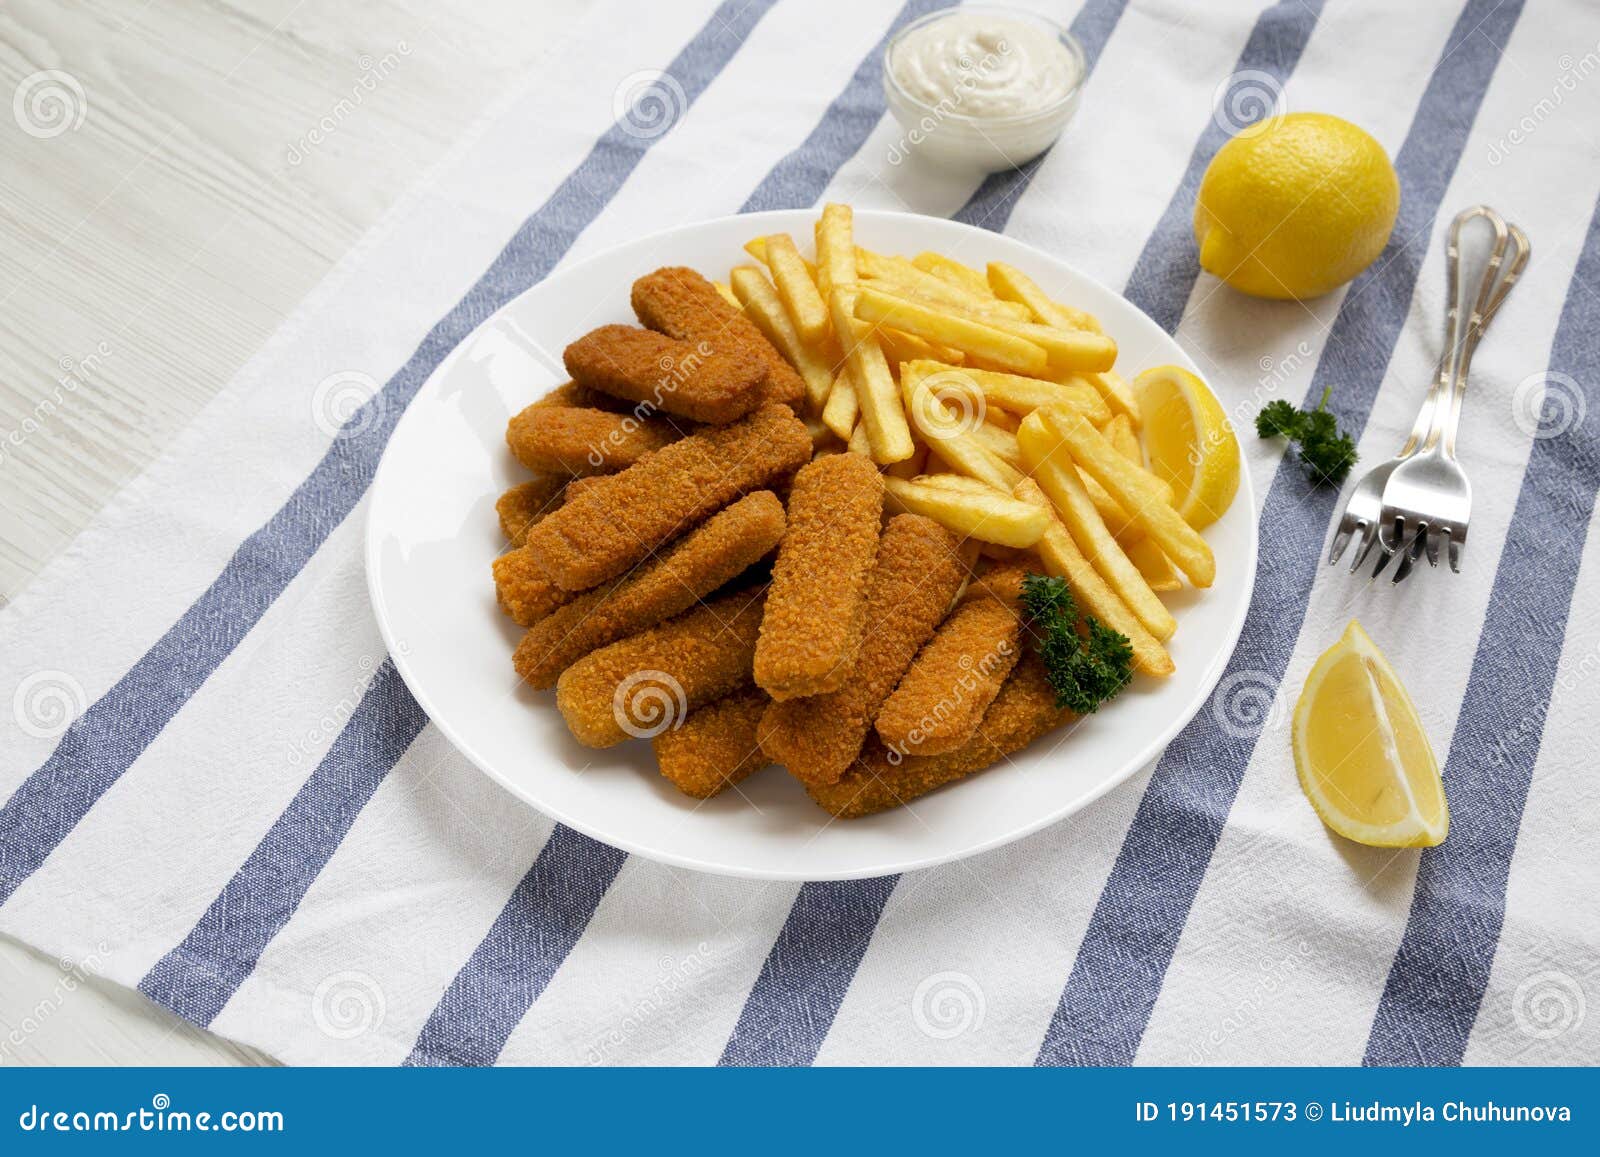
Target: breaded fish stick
point(716, 746)
point(642, 685)
point(938, 705)
point(691, 568)
point(680, 303)
point(1024, 710)
point(526, 503)
point(695, 380)
point(916, 575)
point(617, 521)
point(523, 589)
point(817, 607)
point(572, 440)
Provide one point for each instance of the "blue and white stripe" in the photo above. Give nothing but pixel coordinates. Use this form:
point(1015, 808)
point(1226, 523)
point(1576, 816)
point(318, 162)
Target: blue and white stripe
point(255, 821)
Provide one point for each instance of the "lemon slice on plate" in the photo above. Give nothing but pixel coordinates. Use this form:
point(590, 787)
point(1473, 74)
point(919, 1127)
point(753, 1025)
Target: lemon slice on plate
point(1364, 760)
point(1190, 442)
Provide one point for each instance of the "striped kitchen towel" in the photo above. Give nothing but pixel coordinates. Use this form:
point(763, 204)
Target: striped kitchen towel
point(218, 790)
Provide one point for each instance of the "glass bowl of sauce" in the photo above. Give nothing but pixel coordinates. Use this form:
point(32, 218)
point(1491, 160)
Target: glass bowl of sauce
point(982, 87)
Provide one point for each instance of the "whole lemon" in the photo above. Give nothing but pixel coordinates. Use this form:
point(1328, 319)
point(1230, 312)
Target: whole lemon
point(1295, 206)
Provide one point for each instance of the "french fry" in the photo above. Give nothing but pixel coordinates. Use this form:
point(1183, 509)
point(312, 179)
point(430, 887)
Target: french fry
point(756, 296)
point(1119, 432)
point(1069, 350)
point(963, 482)
point(757, 248)
point(1153, 564)
point(1020, 394)
point(859, 443)
point(1053, 469)
point(949, 435)
point(1061, 557)
point(954, 272)
point(1136, 492)
point(842, 410)
point(911, 467)
point(1001, 420)
point(900, 276)
point(989, 517)
point(1011, 284)
point(1115, 391)
point(876, 392)
point(797, 287)
point(974, 338)
point(907, 347)
point(1142, 552)
point(836, 247)
point(727, 294)
point(1001, 443)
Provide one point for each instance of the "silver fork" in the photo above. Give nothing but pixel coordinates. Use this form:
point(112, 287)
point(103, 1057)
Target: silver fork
point(1427, 498)
point(1364, 507)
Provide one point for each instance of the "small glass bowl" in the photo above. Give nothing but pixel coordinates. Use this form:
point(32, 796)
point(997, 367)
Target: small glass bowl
point(985, 144)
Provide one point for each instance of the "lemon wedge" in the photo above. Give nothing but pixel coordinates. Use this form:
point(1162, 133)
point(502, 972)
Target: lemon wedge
point(1364, 760)
point(1190, 442)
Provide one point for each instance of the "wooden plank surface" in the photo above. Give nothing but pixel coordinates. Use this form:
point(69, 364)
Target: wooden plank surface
point(175, 176)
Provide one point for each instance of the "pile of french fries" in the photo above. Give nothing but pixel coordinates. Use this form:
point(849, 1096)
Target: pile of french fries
point(991, 408)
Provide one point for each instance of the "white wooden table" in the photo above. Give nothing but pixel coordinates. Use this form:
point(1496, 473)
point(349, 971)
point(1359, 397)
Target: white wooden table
point(162, 209)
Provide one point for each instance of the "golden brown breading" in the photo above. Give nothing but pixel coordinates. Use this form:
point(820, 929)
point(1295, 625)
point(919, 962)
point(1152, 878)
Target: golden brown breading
point(1024, 710)
point(916, 575)
point(526, 503)
point(697, 564)
point(523, 590)
point(641, 685)
point(571, 394)
point(817, 607)
point(716, 746)
point(695, 380)
point(572, 440)
point(680, 303)
point(616, 522)
point(938, 705)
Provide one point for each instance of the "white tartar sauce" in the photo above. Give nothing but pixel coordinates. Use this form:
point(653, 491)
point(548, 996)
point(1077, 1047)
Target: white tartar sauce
point(984, 65)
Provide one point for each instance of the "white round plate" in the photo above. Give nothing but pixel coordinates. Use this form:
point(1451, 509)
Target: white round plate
point(432, 533)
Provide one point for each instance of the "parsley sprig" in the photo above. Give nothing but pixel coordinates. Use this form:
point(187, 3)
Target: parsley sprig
point(1326, 452)
point(1084, 668)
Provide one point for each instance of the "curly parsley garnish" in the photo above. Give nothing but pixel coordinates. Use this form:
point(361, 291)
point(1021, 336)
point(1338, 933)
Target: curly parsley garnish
point(1326, 452)
point(1085, 668)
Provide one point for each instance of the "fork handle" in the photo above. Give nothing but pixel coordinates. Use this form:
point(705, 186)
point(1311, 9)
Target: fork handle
point(1472, 303)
